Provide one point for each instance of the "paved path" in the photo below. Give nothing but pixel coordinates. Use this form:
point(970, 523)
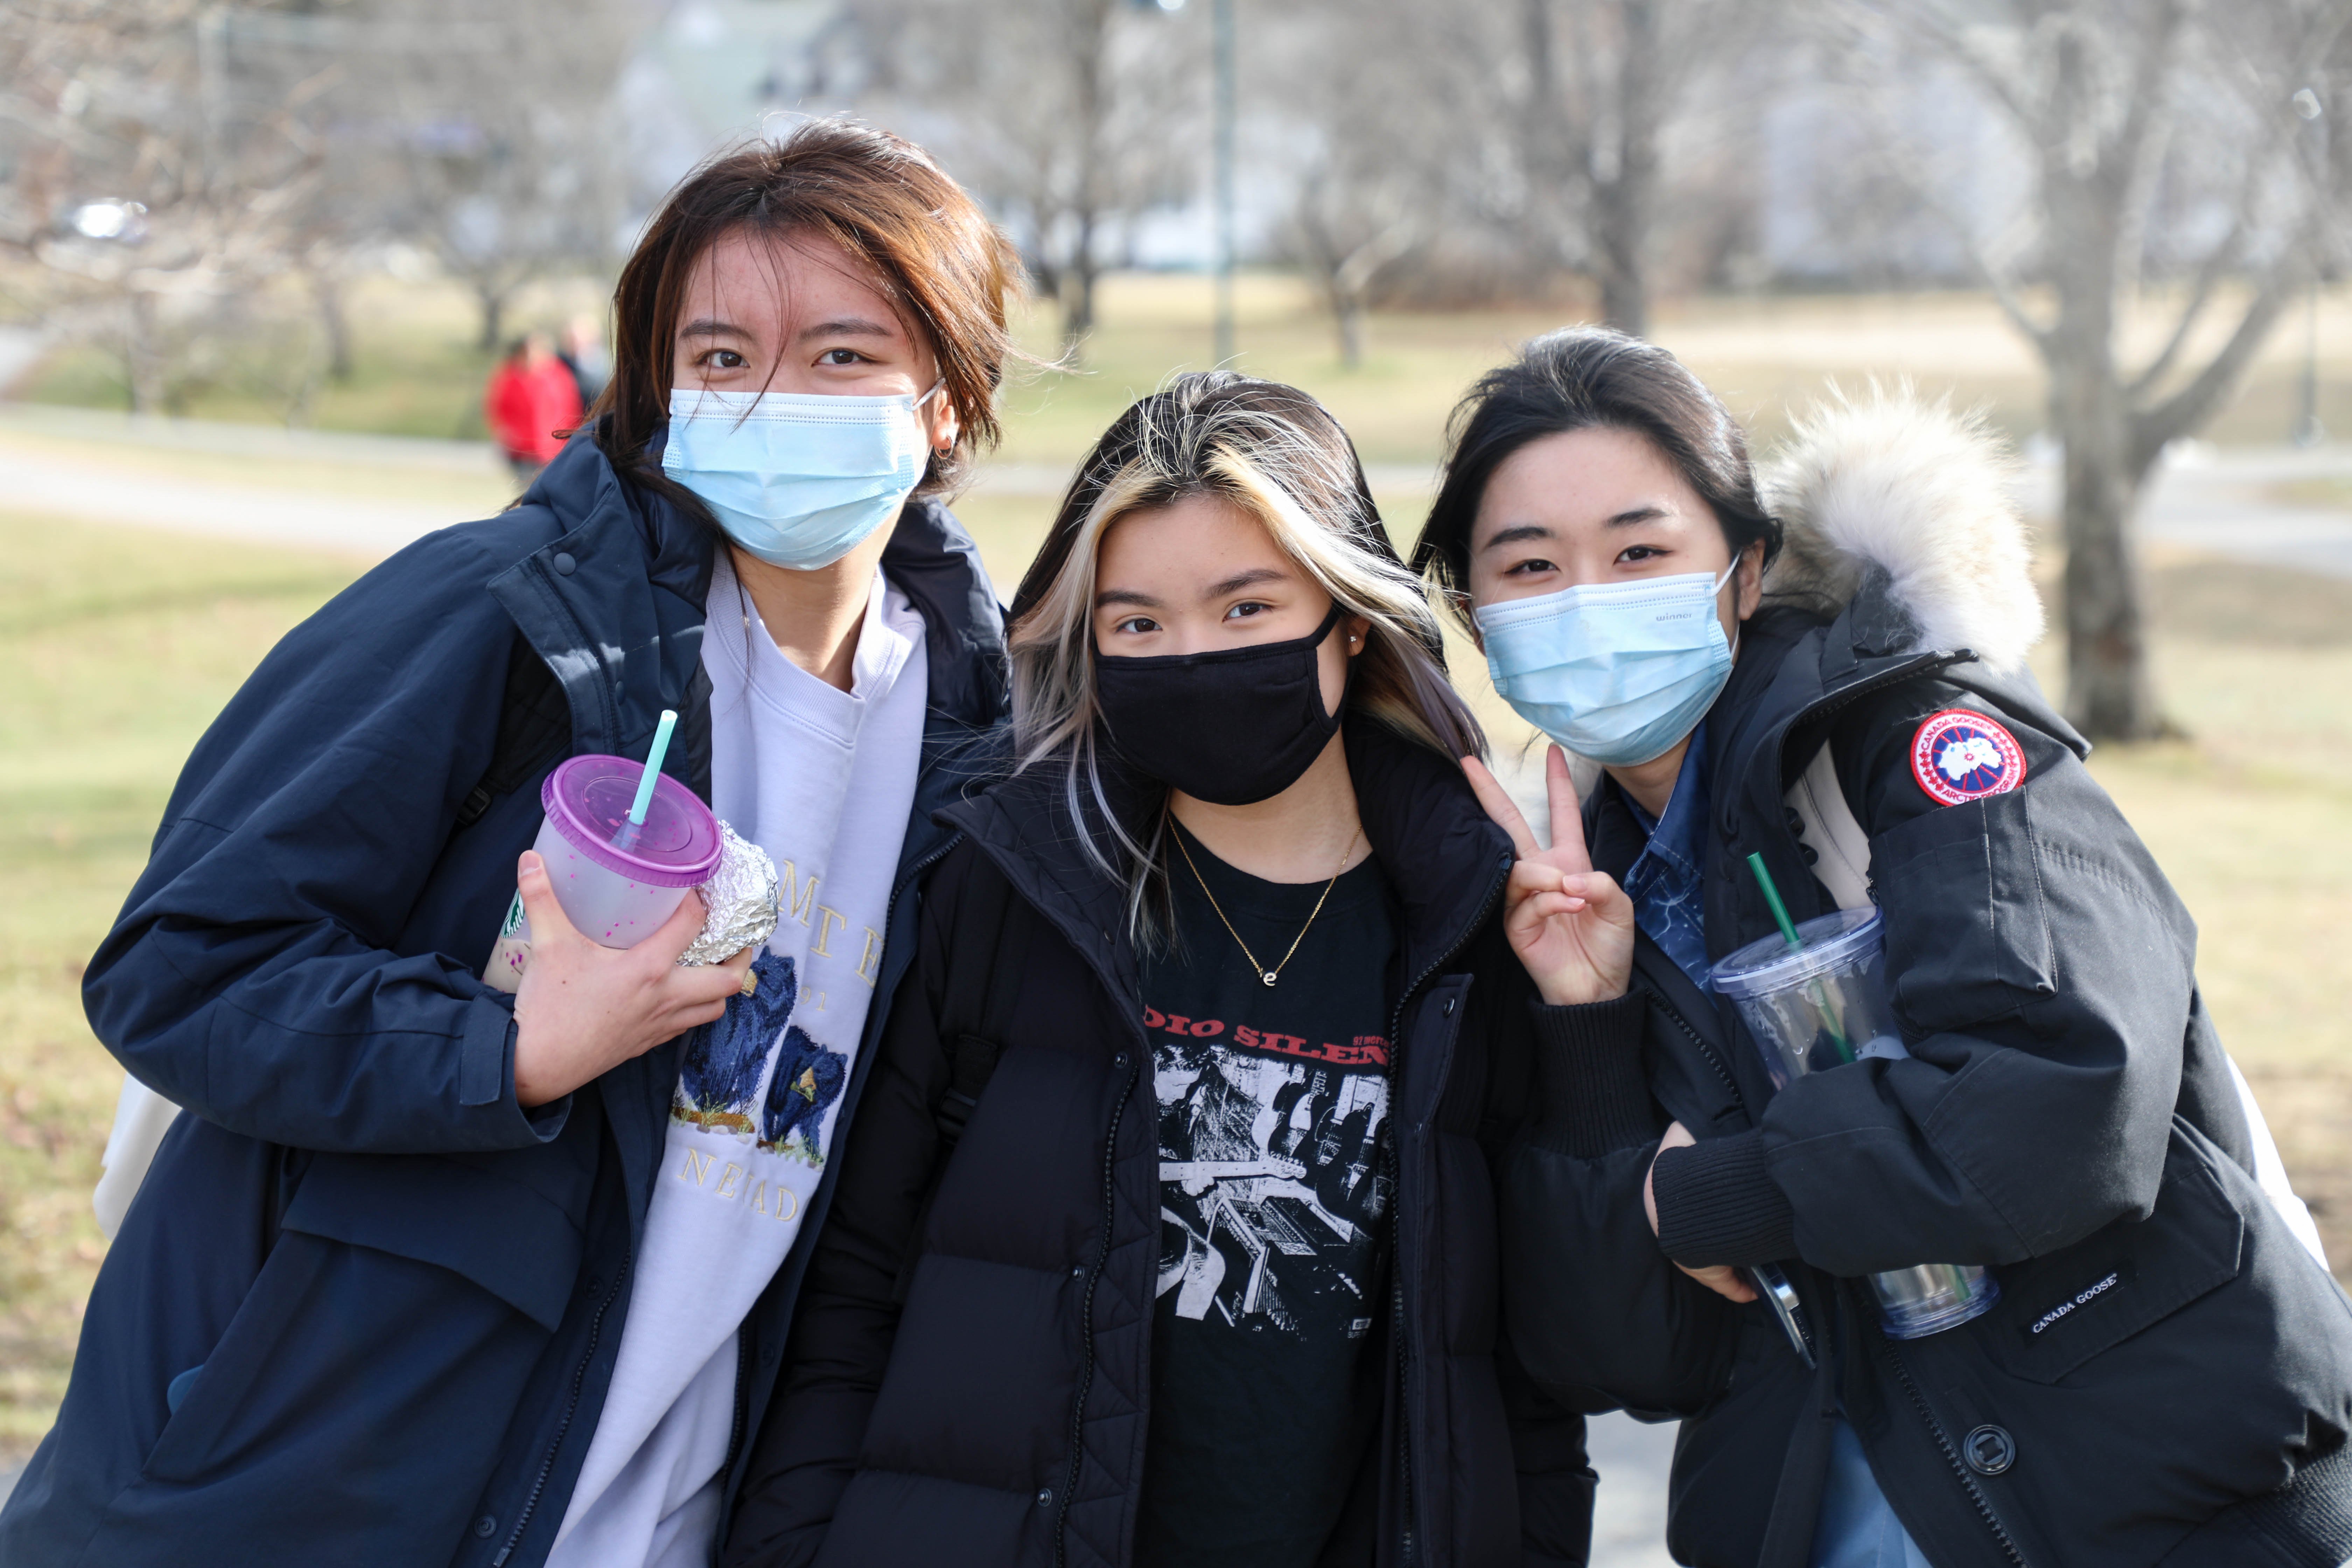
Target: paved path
point(52, 460)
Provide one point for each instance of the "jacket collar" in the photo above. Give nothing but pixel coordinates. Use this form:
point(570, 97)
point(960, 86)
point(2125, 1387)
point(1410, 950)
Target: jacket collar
point(615, 603)
point(1445, 861)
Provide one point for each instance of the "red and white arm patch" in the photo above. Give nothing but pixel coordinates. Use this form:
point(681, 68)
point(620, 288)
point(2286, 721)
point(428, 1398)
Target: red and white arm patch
point(1958, 756)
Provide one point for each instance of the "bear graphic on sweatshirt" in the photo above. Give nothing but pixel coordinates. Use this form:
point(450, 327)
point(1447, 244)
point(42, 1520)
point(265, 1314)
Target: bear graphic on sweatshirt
point(808, 1079)
point(719, 1080)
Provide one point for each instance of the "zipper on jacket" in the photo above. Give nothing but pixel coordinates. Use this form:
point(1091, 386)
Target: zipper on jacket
point(571, 1407)
point(742, 1400)
point(1086, 1314)
point(1952, 1456)
point(1706, 1048)
point(1395, 1163)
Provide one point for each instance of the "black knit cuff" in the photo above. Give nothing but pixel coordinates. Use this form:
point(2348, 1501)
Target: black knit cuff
point(1589, 1059)
point(1717, 1205)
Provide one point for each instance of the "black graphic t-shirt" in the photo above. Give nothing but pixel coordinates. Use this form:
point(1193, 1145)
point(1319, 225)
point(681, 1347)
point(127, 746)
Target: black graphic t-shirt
point(1266, 1391)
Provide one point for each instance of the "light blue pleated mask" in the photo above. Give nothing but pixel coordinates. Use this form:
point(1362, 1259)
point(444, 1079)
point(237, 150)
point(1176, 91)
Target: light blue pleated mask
point(798, 481)
point(1614, 671)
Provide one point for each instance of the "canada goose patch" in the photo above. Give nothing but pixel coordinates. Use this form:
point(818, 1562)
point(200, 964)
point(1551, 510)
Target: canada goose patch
point(1958, 756)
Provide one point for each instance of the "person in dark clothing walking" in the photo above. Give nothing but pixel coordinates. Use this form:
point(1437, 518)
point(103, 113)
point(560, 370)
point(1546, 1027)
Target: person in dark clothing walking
point(2166, 1375)
point(1168, 1238)
point(427, 1273)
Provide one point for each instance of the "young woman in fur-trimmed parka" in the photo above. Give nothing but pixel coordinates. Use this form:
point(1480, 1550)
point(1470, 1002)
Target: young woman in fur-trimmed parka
point(2166, 1376)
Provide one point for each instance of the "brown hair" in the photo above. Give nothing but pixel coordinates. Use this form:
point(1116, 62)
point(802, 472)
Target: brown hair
point(936, 257)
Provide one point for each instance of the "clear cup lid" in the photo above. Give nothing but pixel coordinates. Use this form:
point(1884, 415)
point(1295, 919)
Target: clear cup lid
point(588, 800)
point(1768, 963)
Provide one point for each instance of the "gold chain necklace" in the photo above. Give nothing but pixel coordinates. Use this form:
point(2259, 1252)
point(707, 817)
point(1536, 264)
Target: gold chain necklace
point(1269, 975)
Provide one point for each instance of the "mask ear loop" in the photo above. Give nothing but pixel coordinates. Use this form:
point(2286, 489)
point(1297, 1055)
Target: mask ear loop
point(1737, 625)
point(917, 407)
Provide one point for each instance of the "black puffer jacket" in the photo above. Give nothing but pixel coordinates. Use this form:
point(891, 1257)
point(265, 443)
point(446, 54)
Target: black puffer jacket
point(2167, 1375)
point(970, 1379)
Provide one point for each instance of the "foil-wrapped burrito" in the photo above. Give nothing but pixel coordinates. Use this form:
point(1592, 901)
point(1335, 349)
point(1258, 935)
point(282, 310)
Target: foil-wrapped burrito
point(742, 897)
point(741, 901)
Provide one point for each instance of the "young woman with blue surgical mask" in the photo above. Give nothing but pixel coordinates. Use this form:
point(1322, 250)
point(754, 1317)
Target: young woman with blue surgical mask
point(427, 1271)
point(1823, 675)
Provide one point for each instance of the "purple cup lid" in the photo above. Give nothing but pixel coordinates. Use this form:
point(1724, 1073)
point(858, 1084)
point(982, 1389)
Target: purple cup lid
point(588, 800)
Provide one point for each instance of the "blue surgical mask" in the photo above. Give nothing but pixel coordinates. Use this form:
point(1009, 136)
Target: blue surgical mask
point(798, 481)
point(1614, 671)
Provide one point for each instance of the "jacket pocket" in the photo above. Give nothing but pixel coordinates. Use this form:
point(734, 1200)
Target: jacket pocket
point(2059, 1311)
point(1967, 935)
point(512, 1240)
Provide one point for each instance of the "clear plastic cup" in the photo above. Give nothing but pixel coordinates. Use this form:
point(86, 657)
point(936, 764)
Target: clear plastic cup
point(1821, 1005)
point(617, 882)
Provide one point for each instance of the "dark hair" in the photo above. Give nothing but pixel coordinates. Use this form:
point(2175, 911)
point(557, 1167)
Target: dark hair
point(933, 252)
point(1588, 378)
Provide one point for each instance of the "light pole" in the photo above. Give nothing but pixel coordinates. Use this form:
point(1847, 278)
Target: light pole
point(2308, 431)
point(1222, 45)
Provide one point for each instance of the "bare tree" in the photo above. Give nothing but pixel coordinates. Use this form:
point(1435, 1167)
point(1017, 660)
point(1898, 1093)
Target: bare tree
point(1606, 82)
point(500, 139)
point(2125, 108)
point(160, 188)
point(1071, 118)
point(1372, 106)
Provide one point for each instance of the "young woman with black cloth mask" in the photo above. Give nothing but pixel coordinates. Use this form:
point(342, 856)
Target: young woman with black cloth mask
point(2166, 1373)
point(1168, 1237)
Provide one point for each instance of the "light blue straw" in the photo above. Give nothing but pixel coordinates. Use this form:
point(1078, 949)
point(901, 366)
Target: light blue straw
point(653, 767)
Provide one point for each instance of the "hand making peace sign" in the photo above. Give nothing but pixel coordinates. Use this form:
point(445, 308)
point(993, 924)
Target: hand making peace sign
point(1572, 926)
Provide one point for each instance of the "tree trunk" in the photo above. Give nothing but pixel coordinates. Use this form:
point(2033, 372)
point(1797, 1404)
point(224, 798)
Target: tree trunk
point(2109, 694)
point(1624, 198)
point(492, 299)
point(1617, 244)
point(327, 291)
point(142, 356)
point(1349, 310)
point(1078, 283)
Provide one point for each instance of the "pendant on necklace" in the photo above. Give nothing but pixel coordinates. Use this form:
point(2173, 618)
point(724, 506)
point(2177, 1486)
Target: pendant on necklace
point(1267, 977)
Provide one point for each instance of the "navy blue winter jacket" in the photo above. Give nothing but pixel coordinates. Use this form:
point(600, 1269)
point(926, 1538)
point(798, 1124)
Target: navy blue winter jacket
point(365, 1309)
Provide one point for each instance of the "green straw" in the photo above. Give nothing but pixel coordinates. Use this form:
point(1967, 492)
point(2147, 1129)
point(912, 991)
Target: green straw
point(1830, 1020)
point(652, 773)
point(1772, 897)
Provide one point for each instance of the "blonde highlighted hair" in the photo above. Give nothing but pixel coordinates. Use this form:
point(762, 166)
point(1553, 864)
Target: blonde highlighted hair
point(1277, 455)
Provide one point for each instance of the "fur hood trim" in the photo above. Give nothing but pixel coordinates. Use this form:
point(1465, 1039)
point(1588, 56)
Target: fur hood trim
point(1889, 481)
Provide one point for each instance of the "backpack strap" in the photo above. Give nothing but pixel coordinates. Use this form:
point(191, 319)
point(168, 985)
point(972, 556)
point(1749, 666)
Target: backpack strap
point(1827, 824)
point(535, 730)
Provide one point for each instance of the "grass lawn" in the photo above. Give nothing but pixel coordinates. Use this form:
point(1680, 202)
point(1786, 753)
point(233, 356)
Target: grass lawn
point(127, 642)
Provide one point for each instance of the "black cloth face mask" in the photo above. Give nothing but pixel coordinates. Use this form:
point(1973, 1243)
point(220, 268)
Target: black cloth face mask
point(1232, 727)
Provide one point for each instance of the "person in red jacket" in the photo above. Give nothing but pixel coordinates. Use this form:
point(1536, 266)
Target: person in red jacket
point(530, 398)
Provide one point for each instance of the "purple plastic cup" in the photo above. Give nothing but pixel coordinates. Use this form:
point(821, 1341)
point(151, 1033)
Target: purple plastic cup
point(619, 895)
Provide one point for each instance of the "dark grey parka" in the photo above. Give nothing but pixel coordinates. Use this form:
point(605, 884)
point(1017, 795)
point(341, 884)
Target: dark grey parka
point(2167, 1376)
